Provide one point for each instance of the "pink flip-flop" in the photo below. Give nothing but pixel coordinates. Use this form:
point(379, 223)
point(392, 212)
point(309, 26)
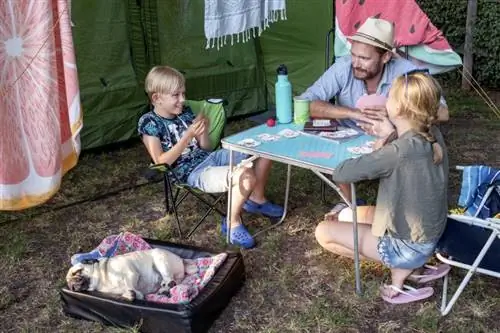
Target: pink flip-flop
point(431, 273)
point(408, 295)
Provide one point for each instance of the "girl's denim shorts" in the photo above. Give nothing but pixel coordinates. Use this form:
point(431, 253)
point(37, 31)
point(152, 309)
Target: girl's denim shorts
point(404, 254)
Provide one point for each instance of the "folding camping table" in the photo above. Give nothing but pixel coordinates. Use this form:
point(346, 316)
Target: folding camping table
point(304, 151)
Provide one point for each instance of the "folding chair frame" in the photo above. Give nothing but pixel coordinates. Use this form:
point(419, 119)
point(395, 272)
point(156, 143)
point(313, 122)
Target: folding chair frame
point(172, 201)
point(490, 223)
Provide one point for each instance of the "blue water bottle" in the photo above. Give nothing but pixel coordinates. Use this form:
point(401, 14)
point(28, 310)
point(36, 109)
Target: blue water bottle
point(283, 91)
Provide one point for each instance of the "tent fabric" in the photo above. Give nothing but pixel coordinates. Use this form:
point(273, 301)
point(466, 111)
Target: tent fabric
point(39, 101)
point(112, 95)
point(118, 41)
point(299, 43)
point(426, 45)
point(234, 73)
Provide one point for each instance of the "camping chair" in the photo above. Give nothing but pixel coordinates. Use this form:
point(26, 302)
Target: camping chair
point(214, 111)
point(471, 242)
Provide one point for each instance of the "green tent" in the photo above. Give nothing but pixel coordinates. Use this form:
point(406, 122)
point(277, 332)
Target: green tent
point(118, 41)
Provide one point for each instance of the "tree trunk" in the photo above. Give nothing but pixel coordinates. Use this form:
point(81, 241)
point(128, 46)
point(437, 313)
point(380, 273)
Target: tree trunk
point(469, 47)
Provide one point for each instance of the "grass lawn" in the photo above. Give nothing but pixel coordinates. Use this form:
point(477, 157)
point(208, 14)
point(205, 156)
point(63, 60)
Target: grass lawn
point(292, 284)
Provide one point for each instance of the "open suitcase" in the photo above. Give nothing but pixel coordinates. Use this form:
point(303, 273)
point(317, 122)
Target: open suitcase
point(196, 316)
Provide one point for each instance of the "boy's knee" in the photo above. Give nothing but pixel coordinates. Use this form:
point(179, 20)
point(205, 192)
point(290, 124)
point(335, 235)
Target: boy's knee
point(246, 177)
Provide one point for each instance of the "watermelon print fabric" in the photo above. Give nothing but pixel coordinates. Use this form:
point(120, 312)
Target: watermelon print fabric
point(427, 46)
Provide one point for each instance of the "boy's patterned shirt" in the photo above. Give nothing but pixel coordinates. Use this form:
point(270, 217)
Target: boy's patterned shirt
point(169, 132)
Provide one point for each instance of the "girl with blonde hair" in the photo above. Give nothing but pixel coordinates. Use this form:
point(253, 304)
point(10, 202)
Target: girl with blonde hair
point(411, 162)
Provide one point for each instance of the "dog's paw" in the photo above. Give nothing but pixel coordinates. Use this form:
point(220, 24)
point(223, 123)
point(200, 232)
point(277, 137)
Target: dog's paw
point(130, 295)
point(164, 291)
point(191, 269)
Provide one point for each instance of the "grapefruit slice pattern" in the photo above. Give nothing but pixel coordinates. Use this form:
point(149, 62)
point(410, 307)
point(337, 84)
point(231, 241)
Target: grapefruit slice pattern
point(40, 110)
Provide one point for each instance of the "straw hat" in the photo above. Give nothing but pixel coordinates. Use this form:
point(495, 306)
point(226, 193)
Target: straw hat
point(376, 32)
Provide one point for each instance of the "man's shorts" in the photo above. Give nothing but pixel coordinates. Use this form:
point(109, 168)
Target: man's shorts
point(212, 175)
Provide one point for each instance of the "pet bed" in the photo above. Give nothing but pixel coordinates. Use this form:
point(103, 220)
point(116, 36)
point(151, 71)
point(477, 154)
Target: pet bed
point(159, 315)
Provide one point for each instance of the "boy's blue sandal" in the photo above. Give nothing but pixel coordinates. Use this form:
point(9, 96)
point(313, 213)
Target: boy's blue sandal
point(267, 208)
point(239, 235)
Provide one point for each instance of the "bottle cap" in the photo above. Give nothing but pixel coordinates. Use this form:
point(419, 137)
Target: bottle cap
point(282, 70)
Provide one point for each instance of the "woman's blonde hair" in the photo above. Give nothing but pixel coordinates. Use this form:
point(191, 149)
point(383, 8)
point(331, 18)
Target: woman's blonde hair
point(163, 79)
point(418, 96)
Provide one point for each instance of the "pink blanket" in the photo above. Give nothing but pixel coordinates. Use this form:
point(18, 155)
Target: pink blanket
point(184, 292)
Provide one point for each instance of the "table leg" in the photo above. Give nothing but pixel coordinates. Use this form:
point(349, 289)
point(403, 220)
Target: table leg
point(355, 235)
point(229, 196)
point(285, 206)
point(352, 204)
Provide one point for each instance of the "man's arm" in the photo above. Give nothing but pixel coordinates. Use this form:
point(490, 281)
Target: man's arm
point(325, 88)
point(322, 109)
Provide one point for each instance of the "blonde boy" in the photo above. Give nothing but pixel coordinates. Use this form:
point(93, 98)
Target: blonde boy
point(173, 135)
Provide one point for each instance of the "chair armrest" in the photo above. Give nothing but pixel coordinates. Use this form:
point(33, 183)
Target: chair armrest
point(165, 169)
point(161, 167)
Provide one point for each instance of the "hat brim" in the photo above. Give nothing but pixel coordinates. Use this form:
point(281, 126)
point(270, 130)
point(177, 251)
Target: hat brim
point(369, 42)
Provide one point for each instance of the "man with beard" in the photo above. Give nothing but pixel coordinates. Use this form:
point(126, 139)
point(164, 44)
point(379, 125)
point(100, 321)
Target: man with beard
point(369, 69)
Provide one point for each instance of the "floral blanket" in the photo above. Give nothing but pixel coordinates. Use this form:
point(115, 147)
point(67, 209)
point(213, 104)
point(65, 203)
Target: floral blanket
point(184, 292)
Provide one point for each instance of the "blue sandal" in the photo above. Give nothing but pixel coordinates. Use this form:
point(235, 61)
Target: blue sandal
point(239, 235)
point(267, 208)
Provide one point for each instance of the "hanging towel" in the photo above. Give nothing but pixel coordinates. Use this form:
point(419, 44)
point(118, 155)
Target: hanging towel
point(476, 180)
point(239, 19)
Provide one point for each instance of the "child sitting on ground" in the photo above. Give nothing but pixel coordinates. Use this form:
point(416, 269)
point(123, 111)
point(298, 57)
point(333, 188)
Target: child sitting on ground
point(411, 209)
point(173, 135)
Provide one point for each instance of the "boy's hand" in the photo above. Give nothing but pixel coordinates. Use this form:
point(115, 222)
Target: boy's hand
point(195, 129)
point(202, 121)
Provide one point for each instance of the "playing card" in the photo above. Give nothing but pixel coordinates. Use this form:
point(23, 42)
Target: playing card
point(370, 143)
point(288, 133)
point(268, 137)
point(366, 150)
point(321, 122)
point(249, 143)
point(354, 150)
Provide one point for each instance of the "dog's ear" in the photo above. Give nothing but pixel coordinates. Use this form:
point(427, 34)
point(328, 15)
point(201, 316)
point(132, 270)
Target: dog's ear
point(76, 279)
point(76, 270)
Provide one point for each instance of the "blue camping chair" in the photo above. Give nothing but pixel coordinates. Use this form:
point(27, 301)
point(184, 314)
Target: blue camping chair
point(471, 241)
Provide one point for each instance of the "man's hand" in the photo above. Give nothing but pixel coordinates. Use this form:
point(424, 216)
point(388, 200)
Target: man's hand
point(383, 127)
point(375, 112)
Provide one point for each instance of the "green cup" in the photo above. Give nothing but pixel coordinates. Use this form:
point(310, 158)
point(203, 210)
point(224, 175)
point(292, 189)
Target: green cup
point(300, 110)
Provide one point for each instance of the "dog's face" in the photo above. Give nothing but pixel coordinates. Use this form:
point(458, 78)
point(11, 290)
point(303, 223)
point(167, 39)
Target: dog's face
point(77, 279)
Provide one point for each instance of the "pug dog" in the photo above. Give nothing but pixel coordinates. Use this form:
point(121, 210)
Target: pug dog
point(131, 276)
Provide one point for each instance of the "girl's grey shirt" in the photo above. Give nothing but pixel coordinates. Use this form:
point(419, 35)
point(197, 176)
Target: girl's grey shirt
point(412, 201)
